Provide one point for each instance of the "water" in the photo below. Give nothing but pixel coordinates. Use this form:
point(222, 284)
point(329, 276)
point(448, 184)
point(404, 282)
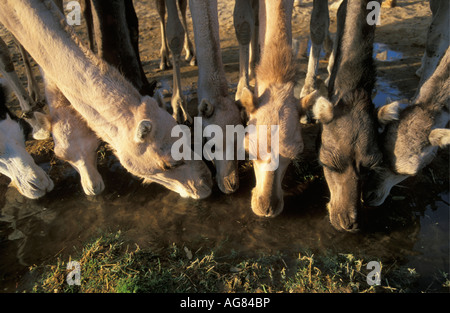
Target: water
point(414, 231)
point(385, 91)
point(382, 52)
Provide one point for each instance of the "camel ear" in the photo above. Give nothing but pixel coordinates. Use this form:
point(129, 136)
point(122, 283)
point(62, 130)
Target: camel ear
point(143, 130)
point(389, 112)
point(440, 137)
point(248, 101)
point(321, 108)
point(42, 130)
point(206, 108)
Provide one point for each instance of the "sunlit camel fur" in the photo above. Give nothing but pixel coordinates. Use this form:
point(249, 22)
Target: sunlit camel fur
point(349, 143)
point(273, 103)
point(27, 101)
point(175, 36)
point(216, 107)
point(136, 128)
point(413, 135)
point(15, 161)
point(74, 141)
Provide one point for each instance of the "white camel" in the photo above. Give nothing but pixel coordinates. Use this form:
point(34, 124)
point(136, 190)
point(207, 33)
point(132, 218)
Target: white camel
point(136, 128)
point(15, 161)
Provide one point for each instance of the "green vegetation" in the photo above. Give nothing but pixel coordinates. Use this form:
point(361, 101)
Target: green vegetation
point(108, 264)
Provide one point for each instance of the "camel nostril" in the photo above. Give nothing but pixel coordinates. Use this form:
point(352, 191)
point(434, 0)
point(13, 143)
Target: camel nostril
point(34, 186)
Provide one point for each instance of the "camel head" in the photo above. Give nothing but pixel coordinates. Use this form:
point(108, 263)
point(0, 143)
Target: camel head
point(223, 112)
point(277, 107)
point(410, 140)
point(349, 148)
point(145, 151)
point(410, 136)
point(17, 163)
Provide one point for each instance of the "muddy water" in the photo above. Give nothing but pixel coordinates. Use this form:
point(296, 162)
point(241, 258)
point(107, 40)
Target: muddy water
point(411, 228)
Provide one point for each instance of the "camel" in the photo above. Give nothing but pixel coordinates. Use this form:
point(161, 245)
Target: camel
point(174, 36)
point(30, 101)
point(437, 40)
point(136, 128)
point(74, 141)
point(349, 144)
point(215, 105)
point(15, 162)
point(412, 136)
point(113, 27)
point(246, 25)
point(273, 103)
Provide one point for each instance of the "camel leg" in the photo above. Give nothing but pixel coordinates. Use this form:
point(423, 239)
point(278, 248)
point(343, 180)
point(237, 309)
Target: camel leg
point(188, 47)
point(254, 47)
point(244, 27)
point(25, 101)
point(437, 40)
point(164, 52)
point(33, 87)
point(175, 39)
point(319, 28)
point(86, 7)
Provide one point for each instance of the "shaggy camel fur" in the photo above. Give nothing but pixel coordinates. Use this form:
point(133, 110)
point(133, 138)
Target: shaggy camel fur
point(413, 135)
point(135, 127)
point(274, 104)
point(15, 161)
point(215, 105)
point(349, 143)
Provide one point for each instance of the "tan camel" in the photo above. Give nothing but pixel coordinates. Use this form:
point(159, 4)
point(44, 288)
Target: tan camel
point(413, 135)
point(274, 104)
point(135, 127)
point(215, 105)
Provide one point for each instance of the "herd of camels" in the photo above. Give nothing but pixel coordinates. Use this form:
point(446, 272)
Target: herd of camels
point(99, 92)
